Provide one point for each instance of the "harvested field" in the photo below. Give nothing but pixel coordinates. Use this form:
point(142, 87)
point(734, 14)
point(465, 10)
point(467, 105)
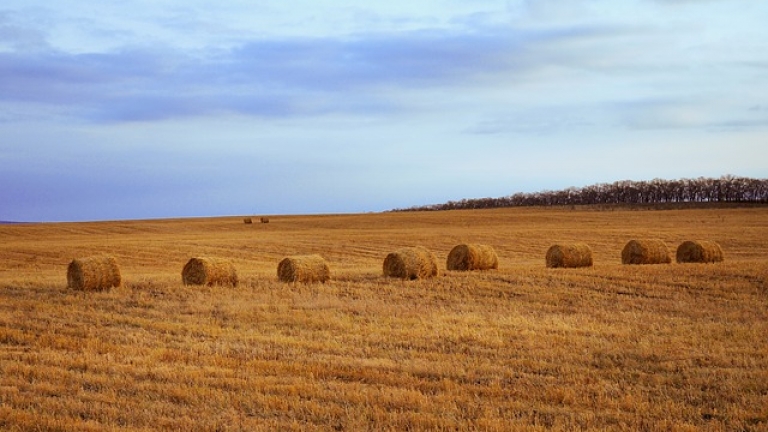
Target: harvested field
point(609, 347)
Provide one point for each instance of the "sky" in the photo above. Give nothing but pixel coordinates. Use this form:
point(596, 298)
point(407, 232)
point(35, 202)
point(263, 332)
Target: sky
point(166, 108)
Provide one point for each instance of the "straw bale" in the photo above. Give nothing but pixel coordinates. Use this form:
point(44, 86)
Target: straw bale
point(93, 273)
point(699, 252)
point(466, 257)
point(411, 263)
point(248, 220)
point(569, 255)
point(209, 271)
point(303, 268)
point(645, 252)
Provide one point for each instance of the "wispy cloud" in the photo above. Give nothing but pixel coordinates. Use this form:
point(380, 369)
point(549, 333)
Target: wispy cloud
point(274, 77)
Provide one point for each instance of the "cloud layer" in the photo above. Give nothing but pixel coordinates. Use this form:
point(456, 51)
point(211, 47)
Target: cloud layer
point(428, 98)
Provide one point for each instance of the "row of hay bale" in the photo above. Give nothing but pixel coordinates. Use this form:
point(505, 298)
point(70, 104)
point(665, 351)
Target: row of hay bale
point(649, 251)
point(656, 252)
point(220, 271)
point(420, 263)
point(103, 272)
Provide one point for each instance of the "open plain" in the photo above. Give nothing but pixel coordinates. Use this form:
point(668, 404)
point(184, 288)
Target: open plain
point(677, 347)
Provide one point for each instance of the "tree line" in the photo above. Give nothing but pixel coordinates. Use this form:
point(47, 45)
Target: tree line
point(726, 189)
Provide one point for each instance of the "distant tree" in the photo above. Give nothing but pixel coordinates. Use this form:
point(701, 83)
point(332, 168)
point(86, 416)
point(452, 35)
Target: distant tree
point(727, 188)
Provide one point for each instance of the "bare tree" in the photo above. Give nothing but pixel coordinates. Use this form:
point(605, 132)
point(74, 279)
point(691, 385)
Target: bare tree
point(727, 188)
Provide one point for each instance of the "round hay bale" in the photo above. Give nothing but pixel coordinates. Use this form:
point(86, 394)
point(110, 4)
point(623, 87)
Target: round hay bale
point(645, 252)
point(699, 252)
point(411, 263)
point(570, 255)
point(93, 273)
point(303, 268)
point(467, 257)
point(209, 271)
point(247, 221)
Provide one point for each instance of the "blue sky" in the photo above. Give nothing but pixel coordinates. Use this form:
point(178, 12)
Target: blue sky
point(151, 109)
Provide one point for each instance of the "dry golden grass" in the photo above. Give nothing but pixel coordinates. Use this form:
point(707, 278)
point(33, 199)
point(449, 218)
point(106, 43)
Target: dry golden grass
point(609, 347)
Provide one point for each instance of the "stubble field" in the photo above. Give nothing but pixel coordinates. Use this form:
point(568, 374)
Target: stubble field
point(613, 347)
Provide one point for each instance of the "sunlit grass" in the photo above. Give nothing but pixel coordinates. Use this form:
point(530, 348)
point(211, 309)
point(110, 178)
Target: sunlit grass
point(670, 347)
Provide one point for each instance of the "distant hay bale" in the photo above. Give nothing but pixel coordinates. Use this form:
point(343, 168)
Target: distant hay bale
point(569, 255)
point(303, 268)
point(645, 252)
point(264, 220)
point(411, 263)
point(248, 220)
point(93, 273)
point(699, 252)
point(466, 257)
point(209, 271)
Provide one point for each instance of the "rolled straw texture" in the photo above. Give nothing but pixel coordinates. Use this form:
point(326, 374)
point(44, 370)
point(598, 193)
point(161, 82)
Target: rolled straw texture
point(466, 257)
point(699, 252)
point(571, 255)
point(304, 268)
point(93, 273)
point(411, 263)
point(645, 252)
point(209, 271)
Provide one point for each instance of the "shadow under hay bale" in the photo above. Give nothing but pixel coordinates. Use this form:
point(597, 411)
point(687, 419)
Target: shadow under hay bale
point(304, 268)
point(645, 252)
point(93, 273)
point(411, 263)
point(572, 255)
point(209, 271)
point(699, 252)
point(467, 257)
